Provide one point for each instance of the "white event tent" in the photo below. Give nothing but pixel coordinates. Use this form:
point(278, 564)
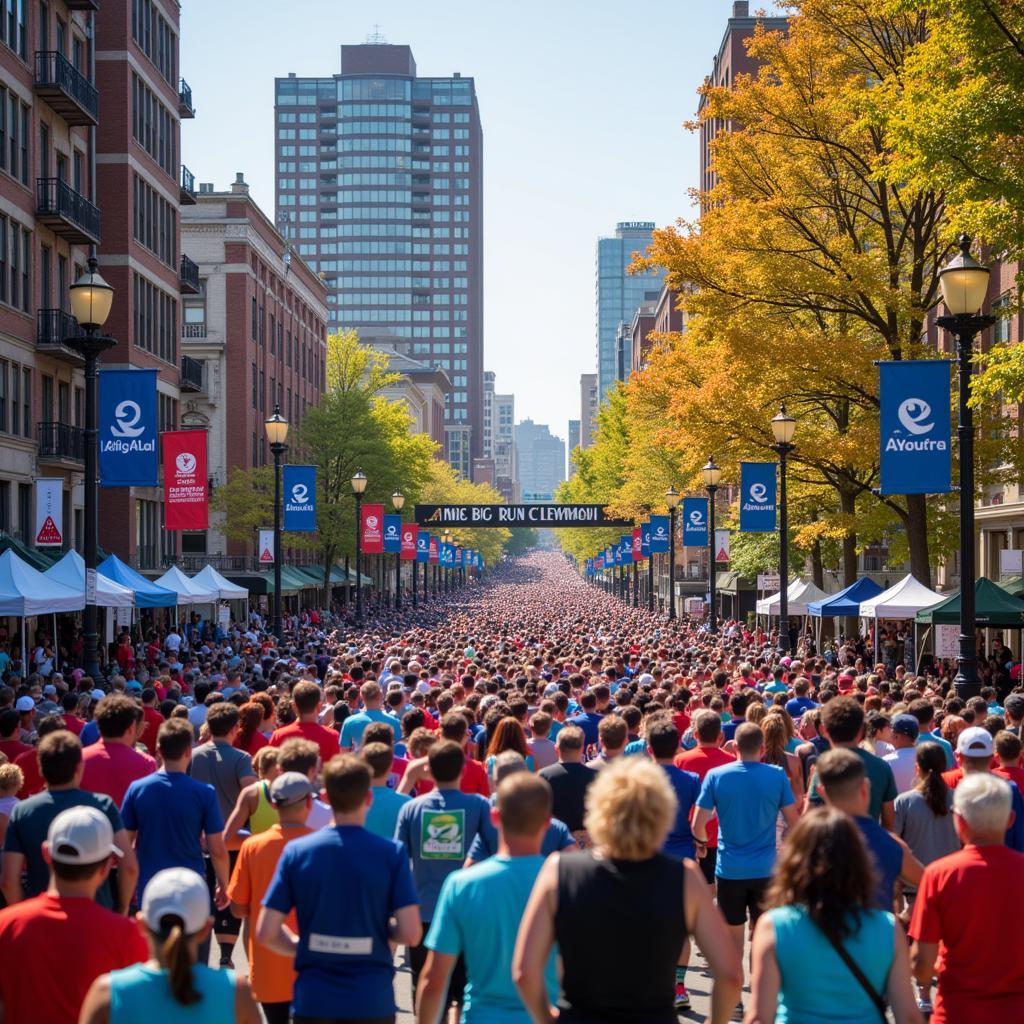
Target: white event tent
point(70, 571)
point(800, 592)
point(189, 591)
point(903, 600)
point(209, 579)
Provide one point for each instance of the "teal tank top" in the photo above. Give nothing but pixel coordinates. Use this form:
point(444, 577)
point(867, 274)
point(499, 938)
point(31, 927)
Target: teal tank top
point(141, 995)
point(816, 986)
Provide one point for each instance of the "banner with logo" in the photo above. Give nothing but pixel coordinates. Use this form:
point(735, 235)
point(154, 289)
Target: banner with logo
point(372, 528)
point(638, 545)
point(599, 562)
point(626, 548)
point(186, 495)
point(299, 499)
point(757, 497)
point(422, 546)
point(410, 533)
point(128, 428)
point(393, 533)
point(645, 539)
point(448, 556)
point(433, 549)
point(721, 547)
point(659, 534)
point(266, 547)
point(695, 522)
point(49, 531)
point(916, 427)
point(618, 554)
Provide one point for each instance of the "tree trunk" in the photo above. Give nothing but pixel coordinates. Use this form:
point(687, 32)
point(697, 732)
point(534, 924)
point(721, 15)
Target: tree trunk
point(848, 506)
point(817, 566)
point(917, 537)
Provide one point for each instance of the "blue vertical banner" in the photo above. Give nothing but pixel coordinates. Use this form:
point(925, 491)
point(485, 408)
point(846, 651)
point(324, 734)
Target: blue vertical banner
point(659, 535)
point(393, 534)
point(609, 557)
point(128, 428)
point(448, 555)
point(626, 549)
point(299, 483)
point(695, 522)
point(423, 547)
point(757, 497)
point(618, 554)
point(645, 539)
point(916, 427)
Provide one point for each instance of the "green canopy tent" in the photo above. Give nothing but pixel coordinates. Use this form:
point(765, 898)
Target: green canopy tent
point(993, 606)
point(1014, 586)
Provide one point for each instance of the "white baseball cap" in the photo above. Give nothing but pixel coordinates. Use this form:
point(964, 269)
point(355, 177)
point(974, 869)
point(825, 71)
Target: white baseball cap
point(25, 703)
point(974, 742)
point(179, 892)
point(81, 835)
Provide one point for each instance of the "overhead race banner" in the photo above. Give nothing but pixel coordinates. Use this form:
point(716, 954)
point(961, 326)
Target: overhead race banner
point(422, 546)
point(916, 427)
point(266, 547)
point(128, 428)
point(409, 537)
point(49, 531)
point(392, 533)
point(516, 515)
point(299, 499)
point(372, 529)
point(757, 497)
point(659, 535)
point(186, 497)
point(695, 522)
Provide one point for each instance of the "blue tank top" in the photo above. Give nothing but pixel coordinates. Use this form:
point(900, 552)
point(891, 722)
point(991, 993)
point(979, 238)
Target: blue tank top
point(816, 986)
point(887, 856)
point(141, 995)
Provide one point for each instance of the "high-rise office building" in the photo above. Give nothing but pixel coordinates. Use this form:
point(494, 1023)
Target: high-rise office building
point(506, 476)
point(574, 443)
point(588, 408)
point(541, 458)
point(619, 293)
point(379, 186)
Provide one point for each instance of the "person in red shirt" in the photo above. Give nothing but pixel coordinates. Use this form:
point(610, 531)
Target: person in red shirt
point(113, 763)
point(708, 754)
point(33, 781)
point(151, 719)
point(79, 847)
point(125, 654)
point(959, 917)
point(1008, 748)
point(69, 702)
point(10, 726)
point(306, 697)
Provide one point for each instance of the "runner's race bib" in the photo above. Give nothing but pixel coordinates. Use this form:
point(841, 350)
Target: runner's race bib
point(443, 835)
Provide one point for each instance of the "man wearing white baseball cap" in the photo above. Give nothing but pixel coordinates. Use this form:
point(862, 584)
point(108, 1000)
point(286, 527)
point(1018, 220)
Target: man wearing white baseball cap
point(78, 847)
point(170, 985)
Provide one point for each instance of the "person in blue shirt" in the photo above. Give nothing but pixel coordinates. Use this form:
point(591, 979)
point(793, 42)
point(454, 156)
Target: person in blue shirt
point(436, 831)
point(588, 719)
point(169, 813)
point(748, 797)
point(345, 885)
point(800, 702)
point(663, 739)
point(354, 726)
point(738, 706)
point(923, 711)
point(382, 816)
point(478, 913)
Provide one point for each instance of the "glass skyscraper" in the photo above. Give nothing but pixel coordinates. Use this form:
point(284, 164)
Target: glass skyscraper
point(619, 293)
point(379, 187)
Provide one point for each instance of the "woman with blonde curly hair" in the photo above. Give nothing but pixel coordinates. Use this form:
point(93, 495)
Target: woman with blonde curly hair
point(631, 808)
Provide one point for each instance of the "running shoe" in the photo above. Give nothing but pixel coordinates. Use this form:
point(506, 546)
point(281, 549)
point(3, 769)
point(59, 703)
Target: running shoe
point(924, 1004)
point(682, 997)
point(738, 1013)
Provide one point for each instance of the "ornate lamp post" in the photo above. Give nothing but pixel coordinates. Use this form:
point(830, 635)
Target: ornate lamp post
point(712, 474)
point(358, 487)
point(277, 435)
point(672, 499)
point(783, 428)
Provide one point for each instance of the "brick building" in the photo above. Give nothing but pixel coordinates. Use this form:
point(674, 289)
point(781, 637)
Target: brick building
point(254, 335)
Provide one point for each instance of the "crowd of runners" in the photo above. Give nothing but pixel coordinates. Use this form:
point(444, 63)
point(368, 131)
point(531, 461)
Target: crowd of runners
point(539, 799)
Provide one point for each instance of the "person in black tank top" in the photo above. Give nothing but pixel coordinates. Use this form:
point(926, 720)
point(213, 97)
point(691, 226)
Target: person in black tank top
point(623, 903)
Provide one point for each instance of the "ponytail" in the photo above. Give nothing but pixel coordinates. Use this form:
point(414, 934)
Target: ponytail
point(931, 763)
point(177, 958)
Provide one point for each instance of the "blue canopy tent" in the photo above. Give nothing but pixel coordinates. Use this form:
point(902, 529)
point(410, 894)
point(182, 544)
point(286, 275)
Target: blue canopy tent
point(147, 593)
point(846, 602)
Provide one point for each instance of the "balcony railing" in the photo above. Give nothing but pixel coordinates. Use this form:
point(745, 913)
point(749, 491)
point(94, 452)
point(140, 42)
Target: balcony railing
point(61, 442)
point(83, 5)
point(66, 89)
point(66, 212)
point(185, 108)
point(191, 374)
point(193, 330)
point(53, 328)
point(187, 187)
point(188, 277)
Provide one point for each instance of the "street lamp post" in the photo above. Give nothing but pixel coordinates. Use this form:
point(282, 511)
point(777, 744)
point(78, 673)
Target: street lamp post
point(91, 298)
point(783, 428)
point(277, 434)
point(358, 487)
point(712, 474)
point(672, 499)
point(446, 540)
point(398, 501)
point(650, 578)
point(964, 283)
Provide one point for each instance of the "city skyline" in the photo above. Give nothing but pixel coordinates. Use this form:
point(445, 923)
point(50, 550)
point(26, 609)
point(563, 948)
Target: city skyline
point(555, 180)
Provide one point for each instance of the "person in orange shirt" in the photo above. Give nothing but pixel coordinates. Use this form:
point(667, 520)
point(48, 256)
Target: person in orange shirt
point(270, 974)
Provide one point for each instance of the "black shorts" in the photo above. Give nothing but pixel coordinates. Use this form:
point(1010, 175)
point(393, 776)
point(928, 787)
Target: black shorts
point(224, 922)
point(738, 897)
point(708, 864)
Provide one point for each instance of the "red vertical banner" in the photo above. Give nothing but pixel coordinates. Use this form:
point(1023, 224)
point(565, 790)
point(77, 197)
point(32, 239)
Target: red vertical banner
point(372, 529)
point(186, 493)
point(410, 531)
point(638, 545)
point(434, 555)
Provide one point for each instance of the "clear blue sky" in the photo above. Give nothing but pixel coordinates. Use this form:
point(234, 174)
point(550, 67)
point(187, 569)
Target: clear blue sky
point(582, 103)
